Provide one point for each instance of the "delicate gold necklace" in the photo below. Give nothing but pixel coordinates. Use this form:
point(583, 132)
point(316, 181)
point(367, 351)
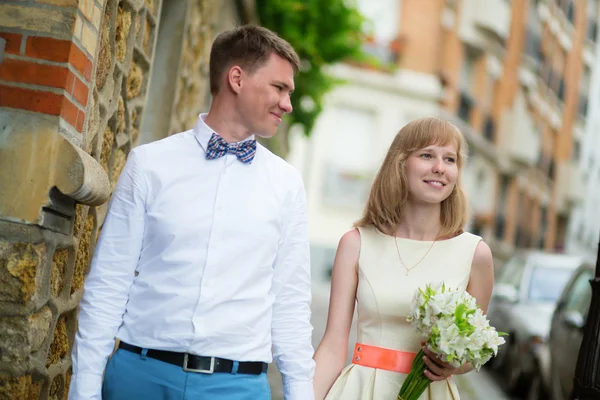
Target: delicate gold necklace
point(402, 261)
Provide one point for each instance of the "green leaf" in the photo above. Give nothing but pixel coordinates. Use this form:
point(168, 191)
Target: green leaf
point(323, 32)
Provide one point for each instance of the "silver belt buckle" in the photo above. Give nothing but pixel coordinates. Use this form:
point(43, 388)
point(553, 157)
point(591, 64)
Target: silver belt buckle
point(200, 371)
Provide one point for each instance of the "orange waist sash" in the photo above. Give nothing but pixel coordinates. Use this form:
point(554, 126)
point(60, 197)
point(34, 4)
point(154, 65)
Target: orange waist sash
point(378, 357)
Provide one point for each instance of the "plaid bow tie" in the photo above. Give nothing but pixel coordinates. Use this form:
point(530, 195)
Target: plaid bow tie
point(218, 147)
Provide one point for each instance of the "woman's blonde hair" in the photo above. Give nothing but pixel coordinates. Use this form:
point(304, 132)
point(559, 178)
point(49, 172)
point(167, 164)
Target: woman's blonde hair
point(389, 192)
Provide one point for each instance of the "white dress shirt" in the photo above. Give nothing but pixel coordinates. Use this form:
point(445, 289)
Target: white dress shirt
point(209, 257)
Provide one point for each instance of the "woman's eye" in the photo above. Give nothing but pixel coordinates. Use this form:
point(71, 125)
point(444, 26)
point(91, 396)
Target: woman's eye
point(425, 155)
point(451, 160)
point(279, 88)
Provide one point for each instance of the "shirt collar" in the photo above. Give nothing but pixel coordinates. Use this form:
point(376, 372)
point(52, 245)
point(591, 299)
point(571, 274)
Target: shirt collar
point(204, 132)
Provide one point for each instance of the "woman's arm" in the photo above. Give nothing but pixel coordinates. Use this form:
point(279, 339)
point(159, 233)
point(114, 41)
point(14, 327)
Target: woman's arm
point(332, 352)
point(481, 283)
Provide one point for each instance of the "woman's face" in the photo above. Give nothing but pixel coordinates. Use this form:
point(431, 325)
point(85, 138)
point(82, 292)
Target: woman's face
point(431, 173)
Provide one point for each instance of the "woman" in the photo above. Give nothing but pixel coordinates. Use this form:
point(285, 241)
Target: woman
point(411, 234)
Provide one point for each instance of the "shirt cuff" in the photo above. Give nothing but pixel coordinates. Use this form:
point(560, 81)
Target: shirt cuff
point(85, 386)
point(299, 390)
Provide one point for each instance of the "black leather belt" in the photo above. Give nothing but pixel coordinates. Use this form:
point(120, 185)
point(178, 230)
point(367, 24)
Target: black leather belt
point(200, 364)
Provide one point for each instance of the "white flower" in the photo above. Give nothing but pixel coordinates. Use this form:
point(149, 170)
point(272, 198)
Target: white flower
point(457, 336)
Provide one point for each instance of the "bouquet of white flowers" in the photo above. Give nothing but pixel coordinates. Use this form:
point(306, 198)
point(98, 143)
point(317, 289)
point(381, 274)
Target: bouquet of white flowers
point(455, 328)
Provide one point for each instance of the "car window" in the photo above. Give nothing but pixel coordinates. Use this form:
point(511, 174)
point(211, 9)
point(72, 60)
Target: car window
point(580, 294)
point(547, 284)
point(512, 273)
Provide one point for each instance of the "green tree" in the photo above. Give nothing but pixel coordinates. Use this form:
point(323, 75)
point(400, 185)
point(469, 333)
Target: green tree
point(322, 32)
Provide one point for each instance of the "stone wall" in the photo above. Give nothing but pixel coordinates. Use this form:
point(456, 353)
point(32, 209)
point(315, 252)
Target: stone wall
point(74, 78)
point(73, 89)
point(205, 20)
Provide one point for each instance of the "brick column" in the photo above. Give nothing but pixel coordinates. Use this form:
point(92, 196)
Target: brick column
point(49, 57)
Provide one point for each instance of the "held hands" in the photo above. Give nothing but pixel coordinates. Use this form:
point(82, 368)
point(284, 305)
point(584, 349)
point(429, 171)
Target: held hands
point(438, 370)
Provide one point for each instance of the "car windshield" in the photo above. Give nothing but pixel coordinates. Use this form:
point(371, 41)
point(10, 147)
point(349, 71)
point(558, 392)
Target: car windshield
point(548, 283)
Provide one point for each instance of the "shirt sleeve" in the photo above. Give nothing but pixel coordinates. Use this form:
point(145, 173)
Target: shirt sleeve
point(107, 285)
point(291, 327)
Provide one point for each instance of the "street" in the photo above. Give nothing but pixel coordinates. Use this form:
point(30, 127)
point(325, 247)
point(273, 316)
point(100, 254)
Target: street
point(472, 386)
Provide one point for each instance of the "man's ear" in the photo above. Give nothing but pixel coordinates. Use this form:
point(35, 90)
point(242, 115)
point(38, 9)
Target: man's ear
point(235, 78)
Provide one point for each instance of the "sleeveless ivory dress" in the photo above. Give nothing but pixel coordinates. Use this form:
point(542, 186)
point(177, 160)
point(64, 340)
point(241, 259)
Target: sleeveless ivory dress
point(384, 296)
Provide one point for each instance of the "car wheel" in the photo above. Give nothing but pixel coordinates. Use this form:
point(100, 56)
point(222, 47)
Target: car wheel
point(513, 370)
point(536, 390)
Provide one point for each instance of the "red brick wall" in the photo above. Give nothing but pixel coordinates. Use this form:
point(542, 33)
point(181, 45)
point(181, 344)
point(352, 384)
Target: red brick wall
point(29, 82)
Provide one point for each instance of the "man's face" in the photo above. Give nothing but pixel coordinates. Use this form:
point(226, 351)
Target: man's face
point(264, 96)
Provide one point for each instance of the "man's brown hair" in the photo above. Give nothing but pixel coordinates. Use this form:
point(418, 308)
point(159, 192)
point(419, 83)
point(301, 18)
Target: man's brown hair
point(248, 46)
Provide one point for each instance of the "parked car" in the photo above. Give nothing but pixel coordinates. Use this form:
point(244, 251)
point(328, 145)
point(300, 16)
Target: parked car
point(524, 297)
point(566, 332)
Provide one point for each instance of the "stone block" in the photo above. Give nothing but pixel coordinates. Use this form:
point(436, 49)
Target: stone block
point(20, 265)
point(78, 30)
point(56, 388)
point(89, 39)
point(122, 33)
point(23, 335)
point(62, 3)
point(108, 141)
point(57, 275)
point(97, 17)
point(83, 254)
point(118, 164)
point(87, 8)
point(39, 324)
point(59, 23)
point(105, 57)
point(60, 343)
point(121, 122)
point(20, 388)
point(80, 215)
point(135, 79)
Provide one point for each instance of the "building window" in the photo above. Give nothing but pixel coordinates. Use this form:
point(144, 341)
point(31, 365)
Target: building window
point(501, 208)
point(576, 151)
point(347, 164)
point(551, 167)
point(592, 26)
point(465, 106)
point(570, 11)
point(543, 227)
point(467, 72)
point(383, 28)
point(489, 129)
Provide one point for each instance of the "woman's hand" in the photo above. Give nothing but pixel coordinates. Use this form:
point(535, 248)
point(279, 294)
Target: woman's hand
point(438, 370)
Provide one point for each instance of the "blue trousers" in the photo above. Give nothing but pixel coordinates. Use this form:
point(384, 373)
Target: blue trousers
point(131, 376)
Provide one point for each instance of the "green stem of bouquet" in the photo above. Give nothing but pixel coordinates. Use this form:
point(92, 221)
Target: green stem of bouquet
point(416, 382)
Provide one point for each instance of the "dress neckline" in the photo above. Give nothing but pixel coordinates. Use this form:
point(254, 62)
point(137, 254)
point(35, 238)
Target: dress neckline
point(420, 241)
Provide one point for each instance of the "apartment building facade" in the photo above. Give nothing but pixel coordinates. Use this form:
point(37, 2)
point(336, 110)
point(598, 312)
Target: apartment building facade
point(584, 224)
point(513, 75)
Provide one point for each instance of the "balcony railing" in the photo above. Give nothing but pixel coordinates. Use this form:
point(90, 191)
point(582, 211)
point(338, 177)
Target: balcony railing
point(583, 105)
point(489, 129)
point(500, 227)
point(592, 30)
point(570, 11)
point(465, 106)
point(561, 90)
point(533, 46)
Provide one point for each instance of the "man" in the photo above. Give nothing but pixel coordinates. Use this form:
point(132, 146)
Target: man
point(203, 261)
